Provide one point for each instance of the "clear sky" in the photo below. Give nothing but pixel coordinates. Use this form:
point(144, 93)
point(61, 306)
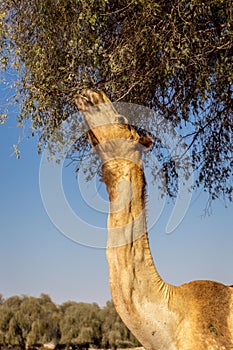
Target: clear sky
point(35, 257)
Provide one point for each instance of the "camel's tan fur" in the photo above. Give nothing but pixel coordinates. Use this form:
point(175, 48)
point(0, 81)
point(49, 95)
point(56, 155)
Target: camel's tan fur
point(193, 316)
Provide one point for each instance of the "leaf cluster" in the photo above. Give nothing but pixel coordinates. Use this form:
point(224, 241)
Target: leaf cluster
point(174, 57)
point(27, 321)
point(30, 322)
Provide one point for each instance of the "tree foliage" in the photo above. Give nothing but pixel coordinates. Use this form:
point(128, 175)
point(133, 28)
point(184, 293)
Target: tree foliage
point(80, 324)
point(29, 322)
point(114, 332)
point(174, 57)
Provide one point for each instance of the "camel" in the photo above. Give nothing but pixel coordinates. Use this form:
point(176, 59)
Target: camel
point(196, 315)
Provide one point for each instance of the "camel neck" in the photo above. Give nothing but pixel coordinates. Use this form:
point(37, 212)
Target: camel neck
point(135, 284)
point(128, 246)
point(140, 296)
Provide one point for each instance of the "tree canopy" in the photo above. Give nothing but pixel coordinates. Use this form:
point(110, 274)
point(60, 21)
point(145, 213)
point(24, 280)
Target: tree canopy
point(80, 324)
point(30, 322)
point(174, 57)
point(27, 321)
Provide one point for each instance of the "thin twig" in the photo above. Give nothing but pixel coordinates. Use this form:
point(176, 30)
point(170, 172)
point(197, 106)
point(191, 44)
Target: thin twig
point(117, 11)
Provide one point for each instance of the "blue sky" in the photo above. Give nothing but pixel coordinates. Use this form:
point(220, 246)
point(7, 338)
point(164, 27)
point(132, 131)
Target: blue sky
point(35, 257)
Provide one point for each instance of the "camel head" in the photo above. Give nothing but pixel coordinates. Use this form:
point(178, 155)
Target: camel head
point(106, 125)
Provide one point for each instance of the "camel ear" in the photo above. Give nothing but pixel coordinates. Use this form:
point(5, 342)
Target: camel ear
point(81, 102)
point(146, 141)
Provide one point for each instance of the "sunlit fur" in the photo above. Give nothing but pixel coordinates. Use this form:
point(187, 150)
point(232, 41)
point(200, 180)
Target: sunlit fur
point(194, 316)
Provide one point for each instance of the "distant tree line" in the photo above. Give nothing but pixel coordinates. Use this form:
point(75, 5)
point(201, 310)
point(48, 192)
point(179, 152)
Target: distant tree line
point(28, 323)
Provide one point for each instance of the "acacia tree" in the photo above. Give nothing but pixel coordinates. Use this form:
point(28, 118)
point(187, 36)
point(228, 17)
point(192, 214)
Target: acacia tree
point(8, 309)
point(28, 321)
point(174, 57)
point(80, 325)
point(114, 333)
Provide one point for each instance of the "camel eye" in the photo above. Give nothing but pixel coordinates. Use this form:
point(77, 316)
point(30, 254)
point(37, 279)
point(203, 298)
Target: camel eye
point(146, 141)
point(121, 119)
